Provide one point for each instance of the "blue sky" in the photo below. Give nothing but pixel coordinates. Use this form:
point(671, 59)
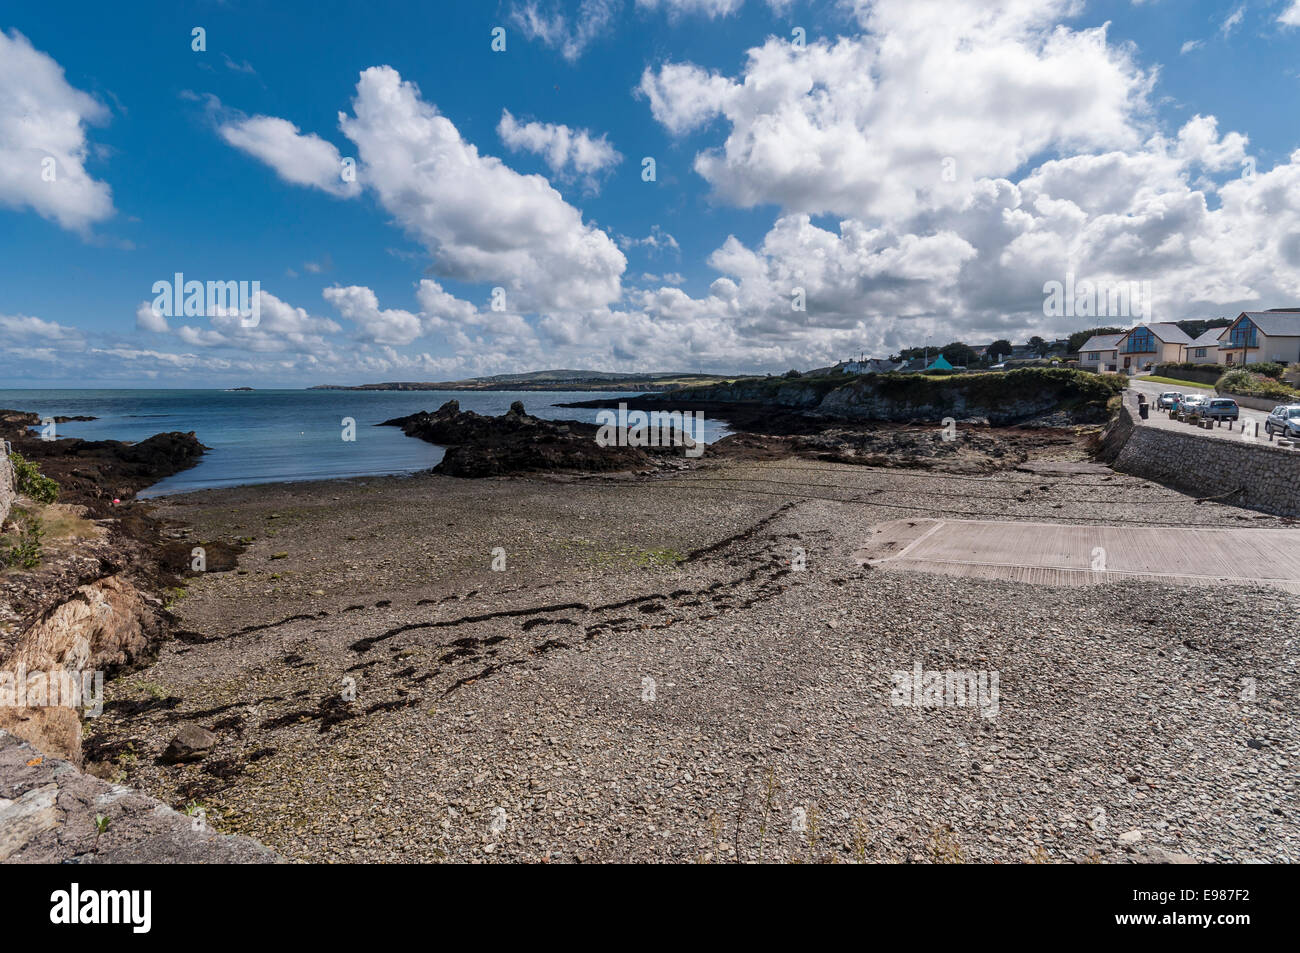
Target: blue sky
point(1158, 151)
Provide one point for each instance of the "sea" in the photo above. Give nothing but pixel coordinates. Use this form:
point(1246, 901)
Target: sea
point(278, 436)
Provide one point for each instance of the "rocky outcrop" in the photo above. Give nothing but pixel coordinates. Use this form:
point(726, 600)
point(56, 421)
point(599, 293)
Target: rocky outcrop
point(1043, 396)
point(52, 813)
point(95, 472)
point(1115, 436)
point(517, 442)
point(103, 626)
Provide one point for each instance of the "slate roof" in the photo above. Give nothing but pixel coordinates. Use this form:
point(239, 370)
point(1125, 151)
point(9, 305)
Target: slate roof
point(1101, 342)
point(1275, 323)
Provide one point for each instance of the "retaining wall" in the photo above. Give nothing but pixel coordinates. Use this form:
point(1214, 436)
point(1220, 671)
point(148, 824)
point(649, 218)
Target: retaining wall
point(1250, 473)
point(7, 490)
point(1254, 403)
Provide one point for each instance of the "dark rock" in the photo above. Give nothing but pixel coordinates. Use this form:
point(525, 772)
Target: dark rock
point(517, 442)
point(95, 472)
point(191, 743)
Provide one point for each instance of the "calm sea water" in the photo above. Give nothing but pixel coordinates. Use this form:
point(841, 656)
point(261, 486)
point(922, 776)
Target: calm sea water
point(273, 436)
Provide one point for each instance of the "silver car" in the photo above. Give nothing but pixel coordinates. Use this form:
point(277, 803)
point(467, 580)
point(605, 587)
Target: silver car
point(1168, 399)
point(1220, 408)
point(1283, 419)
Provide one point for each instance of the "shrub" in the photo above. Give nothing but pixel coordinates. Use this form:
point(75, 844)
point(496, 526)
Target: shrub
point(1197, 373)
point(1267, 368)
point(25, 551)
point(1245, 383)
point(793, 373)
point(31, 482)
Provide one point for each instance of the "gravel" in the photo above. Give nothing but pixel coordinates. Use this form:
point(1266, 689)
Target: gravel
point(653, 678)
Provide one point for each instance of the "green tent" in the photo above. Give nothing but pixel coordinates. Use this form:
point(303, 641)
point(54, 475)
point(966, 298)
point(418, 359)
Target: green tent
point(940, 363)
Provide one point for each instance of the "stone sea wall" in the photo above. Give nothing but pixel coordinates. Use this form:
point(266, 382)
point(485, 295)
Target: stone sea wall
point(1250, 473)
point(7, 490)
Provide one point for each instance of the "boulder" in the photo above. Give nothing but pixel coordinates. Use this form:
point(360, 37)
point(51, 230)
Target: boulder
point(191, 743)
point(102, 626)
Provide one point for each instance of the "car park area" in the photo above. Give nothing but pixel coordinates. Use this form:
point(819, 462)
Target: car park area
point(1249, 425)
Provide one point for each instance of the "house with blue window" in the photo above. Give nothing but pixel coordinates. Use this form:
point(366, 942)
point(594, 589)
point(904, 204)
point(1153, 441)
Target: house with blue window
point(1141, 348)
point(1261, 336)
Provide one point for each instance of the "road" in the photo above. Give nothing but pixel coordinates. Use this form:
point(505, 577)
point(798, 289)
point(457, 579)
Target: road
point(1153, 389)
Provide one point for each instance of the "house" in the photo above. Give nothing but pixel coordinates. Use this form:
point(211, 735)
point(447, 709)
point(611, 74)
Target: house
point(871, 365)
point(1205, 349)
point(940, 363)
point(1100, 353)
point(1142, 347)
point(1261, 336)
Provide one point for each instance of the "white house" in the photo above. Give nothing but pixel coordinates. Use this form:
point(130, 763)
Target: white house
point(1099, 353)
point(871, 365)
point(1205, 349)
point(1142, 347)
point(1261, 336)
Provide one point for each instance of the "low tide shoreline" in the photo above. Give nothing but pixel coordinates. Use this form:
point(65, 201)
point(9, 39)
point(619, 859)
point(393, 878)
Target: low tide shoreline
point(670, 665)
point(524, 691)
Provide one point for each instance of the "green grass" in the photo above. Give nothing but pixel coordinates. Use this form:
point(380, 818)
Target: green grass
point(1175, 382)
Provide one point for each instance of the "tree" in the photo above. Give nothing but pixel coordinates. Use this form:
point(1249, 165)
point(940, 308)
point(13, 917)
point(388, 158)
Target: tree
point(959, 354)
point(1194, 328)
point(1038, 345)
point(998, 349)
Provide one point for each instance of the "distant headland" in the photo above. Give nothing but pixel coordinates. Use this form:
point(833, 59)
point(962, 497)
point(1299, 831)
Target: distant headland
point(547, 380)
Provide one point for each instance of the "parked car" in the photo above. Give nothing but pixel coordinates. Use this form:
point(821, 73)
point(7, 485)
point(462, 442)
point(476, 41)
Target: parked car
point(1189, 403)
point(1220, 408)
point(1168, 399)
point(1283, 419)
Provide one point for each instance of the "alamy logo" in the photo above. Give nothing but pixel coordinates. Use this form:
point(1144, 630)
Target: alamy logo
point(1089, 299)
point(655, 429)
point(58, 688)
point(195, 299)
point(934, 689)
point(103, 906)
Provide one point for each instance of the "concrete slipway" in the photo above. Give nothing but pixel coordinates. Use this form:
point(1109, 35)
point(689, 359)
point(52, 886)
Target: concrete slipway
point(1074, 555)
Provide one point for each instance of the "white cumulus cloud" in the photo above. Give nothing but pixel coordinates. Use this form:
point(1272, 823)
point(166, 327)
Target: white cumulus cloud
point(43, 144)
point(566, 151)
point(297, 158)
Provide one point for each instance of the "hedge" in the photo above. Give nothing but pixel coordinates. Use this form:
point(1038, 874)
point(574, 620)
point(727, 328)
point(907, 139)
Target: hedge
point(1198, 373)
point(1247, 384)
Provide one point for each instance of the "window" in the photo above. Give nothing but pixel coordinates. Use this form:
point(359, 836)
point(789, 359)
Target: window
point(1094, 356)
point(1141, 341)
point(1242, 335)
point(1200, 352)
